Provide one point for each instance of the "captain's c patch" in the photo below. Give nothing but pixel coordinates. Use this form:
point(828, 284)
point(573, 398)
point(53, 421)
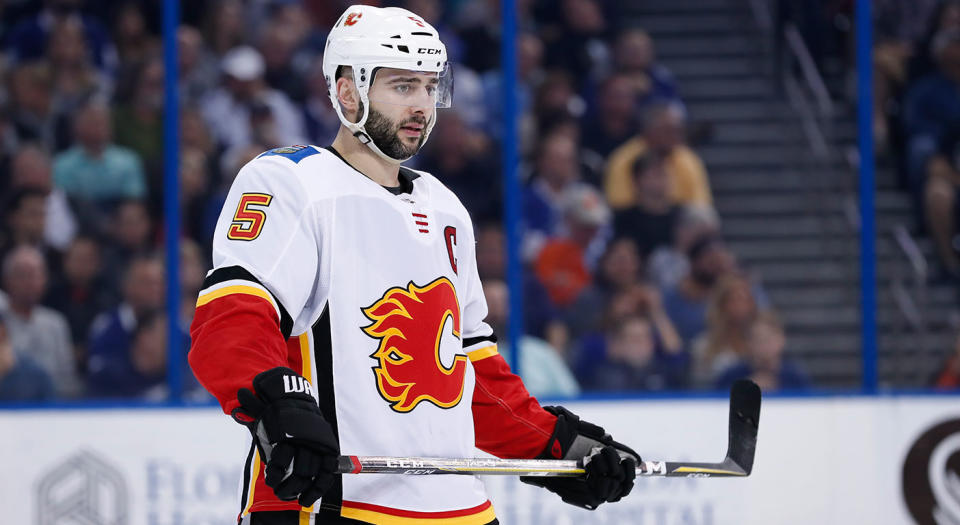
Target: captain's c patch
point(248, 220)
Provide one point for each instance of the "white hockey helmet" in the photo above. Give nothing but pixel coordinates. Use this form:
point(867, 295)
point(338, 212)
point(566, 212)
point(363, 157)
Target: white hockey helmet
point(366, 38)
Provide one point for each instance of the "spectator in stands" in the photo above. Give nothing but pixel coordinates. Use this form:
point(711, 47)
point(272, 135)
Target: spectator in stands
point(465, 161)
point(640, 300)
point(686, 304)
point(138, 120)
point(578, 39)
point(667, 265)
point(557, 175)
point(615, 120)
point(135, 43)
point(31, 169)
point(634, 59)
point(194, 132)
point(96, 169)
point(556, 100)
point(30, 88)
point(619, 269)
point(940, 199)
point(931, 105)
point(79, 291)
point(110, 363)
point(542, 367)
point(765, 364)
point(25, 221)
point(944, 16)
point(130, 237)
point(224, 26)
point(140, 373)
point(631, 361)
point(730, 315)
point(530, 75)
point(21, 378)
point(538, 311)
point(36, 330)
point(31, 37)
point(197, 66)
point(663, 135)
point(193, 270)
point(228, 109)
point(479, 28)
point(278, 44)
point(652, 220)
point(319, 118)
point(75, 79)
point(195, 188)
point(948, 376)
point(563, 264)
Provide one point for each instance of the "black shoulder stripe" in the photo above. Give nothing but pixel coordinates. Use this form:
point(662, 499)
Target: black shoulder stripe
point(230, 273)
point(470, 341)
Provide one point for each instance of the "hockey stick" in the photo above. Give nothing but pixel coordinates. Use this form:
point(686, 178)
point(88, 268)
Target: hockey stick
point(742, 444)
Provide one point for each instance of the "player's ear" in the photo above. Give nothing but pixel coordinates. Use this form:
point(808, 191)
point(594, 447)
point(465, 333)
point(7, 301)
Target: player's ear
point(348, 96)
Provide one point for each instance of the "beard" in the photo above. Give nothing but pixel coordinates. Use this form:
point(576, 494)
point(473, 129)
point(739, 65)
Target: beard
point(386, 135)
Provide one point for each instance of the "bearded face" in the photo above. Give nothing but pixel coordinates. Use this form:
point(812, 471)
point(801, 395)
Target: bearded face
point(399, 140)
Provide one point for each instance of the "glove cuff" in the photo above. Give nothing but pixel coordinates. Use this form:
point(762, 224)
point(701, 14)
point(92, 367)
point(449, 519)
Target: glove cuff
point(282, 382)
point(564, 434)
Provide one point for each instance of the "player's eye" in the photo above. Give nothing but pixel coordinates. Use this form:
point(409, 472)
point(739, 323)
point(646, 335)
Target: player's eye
point(431, 89)
point(403, 89)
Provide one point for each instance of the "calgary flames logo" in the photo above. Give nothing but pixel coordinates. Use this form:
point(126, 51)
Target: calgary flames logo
point(409, 322)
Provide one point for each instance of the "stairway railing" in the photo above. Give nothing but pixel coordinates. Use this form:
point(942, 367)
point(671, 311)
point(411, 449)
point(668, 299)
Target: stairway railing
point(793, 68)
point(910, 293)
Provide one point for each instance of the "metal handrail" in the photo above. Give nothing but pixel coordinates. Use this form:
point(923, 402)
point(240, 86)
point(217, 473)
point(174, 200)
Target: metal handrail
point(810, 72)
point(807, 93)
point(910, 305)
point(912, 252)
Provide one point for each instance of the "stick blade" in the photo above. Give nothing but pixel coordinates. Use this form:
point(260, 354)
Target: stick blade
point(744, 423)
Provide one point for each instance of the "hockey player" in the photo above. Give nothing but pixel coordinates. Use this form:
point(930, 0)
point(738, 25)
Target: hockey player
point(344, 312)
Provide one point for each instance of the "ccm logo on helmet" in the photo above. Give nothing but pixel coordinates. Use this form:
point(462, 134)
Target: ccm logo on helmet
point(428, 51)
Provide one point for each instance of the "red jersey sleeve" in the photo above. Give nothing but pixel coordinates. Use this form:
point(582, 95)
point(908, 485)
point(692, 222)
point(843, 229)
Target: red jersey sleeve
point(508, 422)
point(265, 257)
point(237, 332)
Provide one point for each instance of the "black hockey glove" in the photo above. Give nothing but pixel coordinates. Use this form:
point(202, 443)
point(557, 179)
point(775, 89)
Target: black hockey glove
point(294, 440)
point(610, 466)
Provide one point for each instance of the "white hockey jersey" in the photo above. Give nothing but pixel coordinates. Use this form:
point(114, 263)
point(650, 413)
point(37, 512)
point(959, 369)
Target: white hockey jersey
point(376, 295)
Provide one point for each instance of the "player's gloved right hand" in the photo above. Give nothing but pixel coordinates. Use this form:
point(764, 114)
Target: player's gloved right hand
point(295, 441)
point(610, 466)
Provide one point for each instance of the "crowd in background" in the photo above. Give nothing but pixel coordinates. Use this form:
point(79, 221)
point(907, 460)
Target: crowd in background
point(916, 60)
point(628, 284)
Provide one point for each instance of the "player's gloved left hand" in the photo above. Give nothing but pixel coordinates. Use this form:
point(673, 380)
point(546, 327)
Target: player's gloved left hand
point(295, 441)
point(610, 466)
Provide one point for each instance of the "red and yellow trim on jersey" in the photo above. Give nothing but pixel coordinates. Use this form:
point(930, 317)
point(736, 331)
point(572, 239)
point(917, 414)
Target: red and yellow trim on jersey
point(482, 353)
point(479, 515)
point(307, 370)
point(233, 287)
point(254, 474)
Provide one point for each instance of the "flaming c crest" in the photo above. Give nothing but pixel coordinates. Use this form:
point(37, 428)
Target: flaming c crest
point(409, 322)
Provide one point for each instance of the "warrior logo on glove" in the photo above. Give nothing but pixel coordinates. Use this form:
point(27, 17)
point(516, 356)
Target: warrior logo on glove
point(412, 325)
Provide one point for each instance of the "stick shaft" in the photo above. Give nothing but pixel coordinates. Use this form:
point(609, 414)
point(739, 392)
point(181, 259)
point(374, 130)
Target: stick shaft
point(519, 467)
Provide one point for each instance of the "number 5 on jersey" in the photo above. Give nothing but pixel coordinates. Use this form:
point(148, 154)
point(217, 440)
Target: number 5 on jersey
point(248, 220)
